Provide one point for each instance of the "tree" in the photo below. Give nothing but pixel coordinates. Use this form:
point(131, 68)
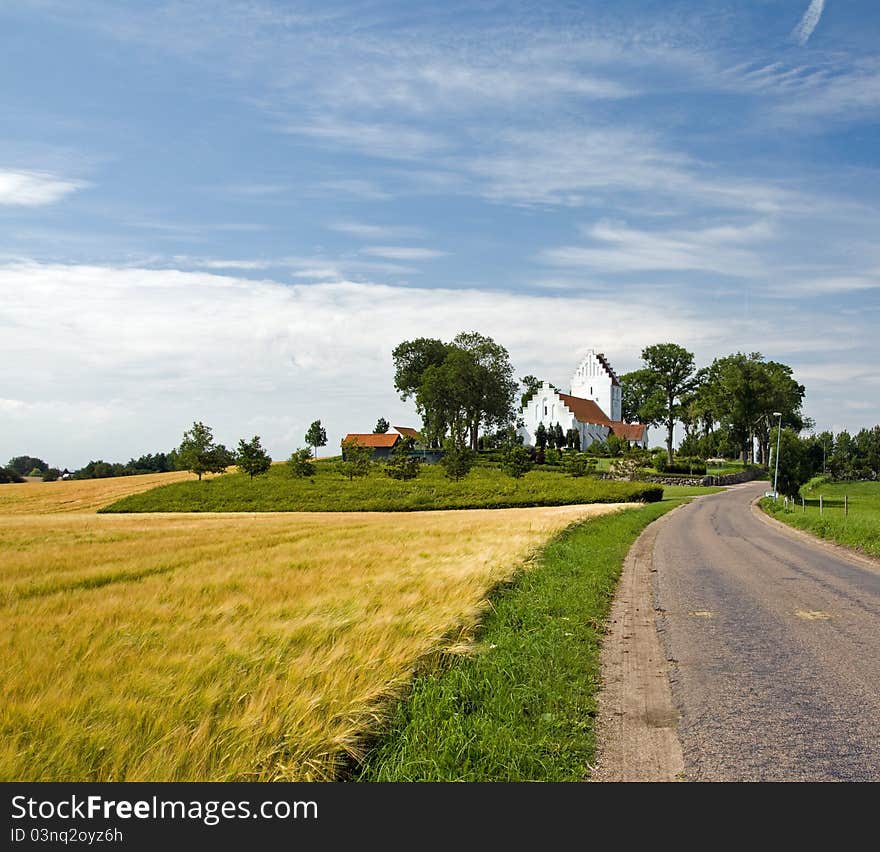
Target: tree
point(794, 463)
point(381, 427)
point(458, 387)
point(300, 464)
point(531, 385)
point(198, 452)
point(24, 465)
point(516, 461)
point(541, 436)
point(316, 436)
point(252, 458)
point(7, 475)
point(51, 475)
point(671, 371)
point(457, 459)
point(573, 440)
point(356, 459)
point(403, 464)
point(641, 399)
point(560, 436)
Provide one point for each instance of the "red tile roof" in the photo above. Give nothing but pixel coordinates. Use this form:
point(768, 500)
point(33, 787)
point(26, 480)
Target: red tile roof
point(585, 410)
point(629, 431)
point(388, 439)
point(407, 432)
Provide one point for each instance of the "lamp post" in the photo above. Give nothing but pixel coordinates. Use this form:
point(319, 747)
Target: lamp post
point(778, 439)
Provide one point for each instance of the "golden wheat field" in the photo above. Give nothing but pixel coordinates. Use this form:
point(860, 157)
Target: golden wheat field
point(221, 647)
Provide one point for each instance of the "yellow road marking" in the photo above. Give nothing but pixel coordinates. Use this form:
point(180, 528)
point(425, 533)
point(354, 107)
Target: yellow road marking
point(701, 613)
point(812, 614)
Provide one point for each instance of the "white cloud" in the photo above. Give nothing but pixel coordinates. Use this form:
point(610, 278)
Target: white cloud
point(392, 141)
point(118, 361)
point(623, 249)
point(403, 252)
point(371, 231)
point(34, 189)
point(809, 21)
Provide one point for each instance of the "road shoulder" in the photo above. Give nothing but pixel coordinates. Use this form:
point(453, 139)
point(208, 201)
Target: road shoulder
point(637, 722)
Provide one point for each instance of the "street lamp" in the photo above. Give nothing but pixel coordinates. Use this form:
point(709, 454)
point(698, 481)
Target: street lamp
point(778, 439)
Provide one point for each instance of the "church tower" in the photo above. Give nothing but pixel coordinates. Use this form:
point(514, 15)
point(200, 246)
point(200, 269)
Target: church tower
point(594, 379)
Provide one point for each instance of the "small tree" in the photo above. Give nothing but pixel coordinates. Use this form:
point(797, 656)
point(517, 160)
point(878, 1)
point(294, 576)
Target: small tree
point(300, 464)
point(356, 460)
point(457, 459)
point(252, 458)
point(573, 439)
point(794, 463)
point(51, 475)
point(316, 436)
point(198, 452)
point(615, 446)
point(541, 436)
point(516, 461)
point(381, 427)
point(403, 464)
point(560, 436)
point(579, 464)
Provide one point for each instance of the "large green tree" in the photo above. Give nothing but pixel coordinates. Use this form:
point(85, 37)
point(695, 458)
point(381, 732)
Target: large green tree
point(459, 387)
point(655, 394)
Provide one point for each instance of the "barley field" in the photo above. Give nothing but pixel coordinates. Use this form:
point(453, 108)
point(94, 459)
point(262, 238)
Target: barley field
point(228, 647)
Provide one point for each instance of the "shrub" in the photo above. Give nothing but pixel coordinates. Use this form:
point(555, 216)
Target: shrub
point(517, 462)
point(300, 464)
point(457, 460)
point(403, 465)
point(579, 464)
point(356, 460)
point(9, 475)
point(552, 456)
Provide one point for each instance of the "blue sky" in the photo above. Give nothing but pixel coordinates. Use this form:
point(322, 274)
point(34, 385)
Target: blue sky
point(232, 211)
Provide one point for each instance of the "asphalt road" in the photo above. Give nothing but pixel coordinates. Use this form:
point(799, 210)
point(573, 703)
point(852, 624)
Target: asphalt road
point(775, 647)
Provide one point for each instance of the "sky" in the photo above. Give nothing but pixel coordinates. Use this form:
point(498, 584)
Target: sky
point(233, 210)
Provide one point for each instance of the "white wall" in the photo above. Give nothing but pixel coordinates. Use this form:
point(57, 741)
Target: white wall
point(591, 381)
point(546, 407)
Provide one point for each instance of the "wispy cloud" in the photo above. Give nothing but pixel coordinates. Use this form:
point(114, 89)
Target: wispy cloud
point(403, 252)
point(808, 22)
point(622, 249)
point(392, 141)
point(34, 189)
point(370, 231)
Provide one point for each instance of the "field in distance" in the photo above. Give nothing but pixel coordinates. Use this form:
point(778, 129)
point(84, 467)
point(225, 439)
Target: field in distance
point(857, 527)
point(330, 491)
point(214, 647)
point(78, 495)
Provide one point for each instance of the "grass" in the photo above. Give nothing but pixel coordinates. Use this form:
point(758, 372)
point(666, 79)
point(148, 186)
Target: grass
point(859, 530)
point(330, 491)
point(522, 704)
point(218, 647)
point(78, 495)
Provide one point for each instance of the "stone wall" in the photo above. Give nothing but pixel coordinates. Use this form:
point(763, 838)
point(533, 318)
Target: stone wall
point(729, 479)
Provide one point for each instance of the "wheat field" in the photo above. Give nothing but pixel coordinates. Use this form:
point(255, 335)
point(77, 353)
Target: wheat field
point(228, 647)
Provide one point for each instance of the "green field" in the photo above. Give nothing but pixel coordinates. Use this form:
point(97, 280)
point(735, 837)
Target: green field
point(521, 704)
point(330, 491)
point(859, 529)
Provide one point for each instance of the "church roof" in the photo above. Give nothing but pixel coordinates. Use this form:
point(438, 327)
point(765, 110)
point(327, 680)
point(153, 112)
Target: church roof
point(585, 410)
point(608, 369)
point(629, 431)
point(387, 439)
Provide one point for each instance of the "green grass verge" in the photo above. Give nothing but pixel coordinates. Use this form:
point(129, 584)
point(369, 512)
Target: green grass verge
point(330, 491)
point(860, 529)
point(522, 706)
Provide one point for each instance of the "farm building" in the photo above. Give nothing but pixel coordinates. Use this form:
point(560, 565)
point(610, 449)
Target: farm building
point(595, 390)
point(381, 443)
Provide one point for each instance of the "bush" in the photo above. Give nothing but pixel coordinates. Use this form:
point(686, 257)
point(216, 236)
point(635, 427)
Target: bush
point(457, 460)
point(552, 456)
point(517, 462)
point(403, 465)
point(51, 475)
point(300, 464)
point(356, 460)
point(8, 475)
point(580, 464)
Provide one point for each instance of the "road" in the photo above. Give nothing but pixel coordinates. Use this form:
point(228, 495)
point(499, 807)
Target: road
point(774, 643)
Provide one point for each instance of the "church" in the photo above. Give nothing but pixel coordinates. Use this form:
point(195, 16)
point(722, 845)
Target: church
point(593, 407)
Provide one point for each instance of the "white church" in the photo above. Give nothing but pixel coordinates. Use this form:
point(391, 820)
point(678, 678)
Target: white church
point(593, 407)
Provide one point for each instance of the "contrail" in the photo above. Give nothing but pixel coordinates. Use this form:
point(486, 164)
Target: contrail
point(802, 32)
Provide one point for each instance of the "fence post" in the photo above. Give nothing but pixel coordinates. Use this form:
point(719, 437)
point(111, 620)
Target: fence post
point(803, 505)
point(845, 506)
point(820, 504)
